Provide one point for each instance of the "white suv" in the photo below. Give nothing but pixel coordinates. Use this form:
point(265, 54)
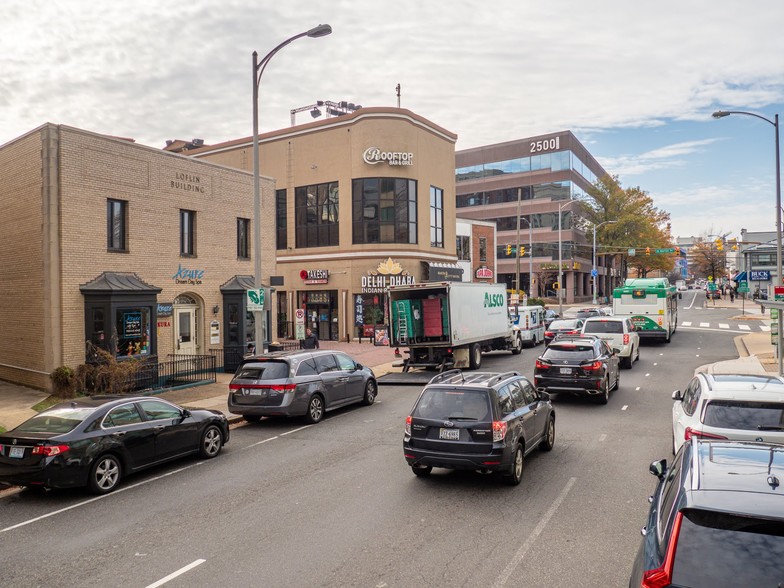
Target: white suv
point(737, 407)
point(619, 332)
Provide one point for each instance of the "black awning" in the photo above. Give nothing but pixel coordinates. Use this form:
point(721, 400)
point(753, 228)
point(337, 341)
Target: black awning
point(118, 282)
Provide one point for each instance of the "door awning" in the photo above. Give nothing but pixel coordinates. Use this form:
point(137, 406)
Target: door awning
point(739, 277)
point(118, 282)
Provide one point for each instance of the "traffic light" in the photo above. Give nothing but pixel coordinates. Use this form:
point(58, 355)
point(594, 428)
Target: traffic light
point(647, 251)
point(556, 286)
point(509, 250)
point(522, 250)
point(719, 245)
point(677, 251)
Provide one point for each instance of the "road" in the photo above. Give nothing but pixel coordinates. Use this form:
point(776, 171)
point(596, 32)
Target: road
point(334, 504)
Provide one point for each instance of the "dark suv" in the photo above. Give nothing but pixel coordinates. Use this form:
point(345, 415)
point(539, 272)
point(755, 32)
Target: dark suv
point(299, 383)
point(478, 421)
point(584, 365)
point(716, 519)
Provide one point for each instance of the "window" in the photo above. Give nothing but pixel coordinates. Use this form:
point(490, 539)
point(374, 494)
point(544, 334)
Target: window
point(243, 238)
point(463, 248)
point(326, 363)
point(482, 248)
point(505, 402)
point(281, 218)
point(384, 210)
point(187, 233)
point(133, 331)
point(117, 225)
point(316, 215)
point(156, 410)
point(436, 217)
point(345, 363)
point(517, 394)
point(122, 415)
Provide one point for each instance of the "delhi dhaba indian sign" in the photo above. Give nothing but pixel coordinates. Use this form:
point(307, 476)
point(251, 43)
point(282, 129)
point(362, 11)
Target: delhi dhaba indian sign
point(387, 273)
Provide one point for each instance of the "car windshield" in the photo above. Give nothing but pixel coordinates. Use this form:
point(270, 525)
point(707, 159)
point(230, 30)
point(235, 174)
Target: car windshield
point(568, 351)
point(446, 404)
point(603, 327)
point(58, 421)
point(723, 550)
point(268, 370)
point(565, 325)
point(731, 414)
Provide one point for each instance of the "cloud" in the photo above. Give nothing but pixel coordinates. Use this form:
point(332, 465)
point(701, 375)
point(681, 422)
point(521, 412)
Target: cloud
point(661, 158)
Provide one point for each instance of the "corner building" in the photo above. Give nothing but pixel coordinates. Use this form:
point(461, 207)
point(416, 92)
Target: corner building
point(537, 176)
point(141, 252)
point(362, 201)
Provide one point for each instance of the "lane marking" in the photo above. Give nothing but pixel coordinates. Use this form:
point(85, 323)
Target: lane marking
point(693, 299)
point(637, 389)
point(686, 323)
point(602, 437)
point(295, 430)
point(697, 355)
point(624, 407)
point(259, 442)
point(724, 326)
point(179, 572)
point(646, 375)
point(518, 557)
point(655, 364)
point(705, 324)
point(744, 327)
point(765, 328)
point(90, 500)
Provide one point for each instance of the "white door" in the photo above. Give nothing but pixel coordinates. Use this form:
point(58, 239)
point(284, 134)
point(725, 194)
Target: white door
point(186, 336)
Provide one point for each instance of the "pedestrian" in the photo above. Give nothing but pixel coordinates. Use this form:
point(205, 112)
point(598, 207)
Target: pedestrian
point(732, 295)
point(310, 341)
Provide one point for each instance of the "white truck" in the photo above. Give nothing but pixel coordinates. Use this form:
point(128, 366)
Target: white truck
point(449, 324)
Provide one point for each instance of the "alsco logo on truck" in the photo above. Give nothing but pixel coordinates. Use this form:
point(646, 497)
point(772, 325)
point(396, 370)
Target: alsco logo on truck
point(493, 300)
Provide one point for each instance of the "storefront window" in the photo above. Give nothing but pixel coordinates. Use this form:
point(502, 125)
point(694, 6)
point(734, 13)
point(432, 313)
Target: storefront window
point(384, 210)
point(133, 331)
point(316, 215)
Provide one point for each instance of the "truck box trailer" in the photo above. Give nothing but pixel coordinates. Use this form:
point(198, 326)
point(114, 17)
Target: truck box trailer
point(450, 324)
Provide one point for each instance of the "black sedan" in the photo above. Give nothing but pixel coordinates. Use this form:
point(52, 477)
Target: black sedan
point(582, 365)
point(96, 441)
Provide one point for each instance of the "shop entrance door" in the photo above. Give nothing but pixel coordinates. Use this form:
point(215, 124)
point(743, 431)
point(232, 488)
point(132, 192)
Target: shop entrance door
point(186, 333)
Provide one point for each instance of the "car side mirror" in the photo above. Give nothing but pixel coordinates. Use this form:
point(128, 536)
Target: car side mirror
point(616, 351)
point(658, 468)
point(544, 395)
point(185, 413)
point(358, 366)
point(677, 395)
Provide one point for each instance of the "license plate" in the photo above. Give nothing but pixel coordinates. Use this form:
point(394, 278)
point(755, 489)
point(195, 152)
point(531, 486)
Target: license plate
point(566, 370)
point(449, 434)
point(254, 391)
point(16, 452)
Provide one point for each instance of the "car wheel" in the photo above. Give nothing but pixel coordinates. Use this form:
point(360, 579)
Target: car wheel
point(371, 390)
point(515, 475)
point(421, 471)
point(667, 337)
point(617, 379)
point(105, 474)
point(315, 409)
point(251, 418)
point(548, 442)
point(476, 356)
point(211, 442)
point(517, 349)
point(628, 361)
point(604, 392)
point(638, 353)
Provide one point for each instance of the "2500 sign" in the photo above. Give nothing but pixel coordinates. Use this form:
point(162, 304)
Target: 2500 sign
point(545, 144)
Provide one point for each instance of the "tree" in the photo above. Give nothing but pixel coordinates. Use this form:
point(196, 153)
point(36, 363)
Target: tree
point(706, 261)
point(639, 225)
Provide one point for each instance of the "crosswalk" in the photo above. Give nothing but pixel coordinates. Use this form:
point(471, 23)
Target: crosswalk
point(740, 327)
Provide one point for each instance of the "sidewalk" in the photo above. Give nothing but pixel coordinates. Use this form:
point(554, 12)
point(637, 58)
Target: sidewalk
point(16, 401)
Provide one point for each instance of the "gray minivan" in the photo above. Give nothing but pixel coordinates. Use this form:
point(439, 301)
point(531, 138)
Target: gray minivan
point(299, 383)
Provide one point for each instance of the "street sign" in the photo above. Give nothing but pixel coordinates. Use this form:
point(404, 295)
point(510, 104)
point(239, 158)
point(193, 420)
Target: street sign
point(774, 314)
point(668, 250)
point(712, 287)
point(594, 273)
point(760, 275)
point(743, 287)
point(299, 316)
point(255, 299)
point(631, 253)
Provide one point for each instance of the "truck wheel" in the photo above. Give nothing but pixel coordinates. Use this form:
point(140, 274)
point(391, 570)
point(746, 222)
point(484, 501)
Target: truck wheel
point(517, 348)
point(475, 361)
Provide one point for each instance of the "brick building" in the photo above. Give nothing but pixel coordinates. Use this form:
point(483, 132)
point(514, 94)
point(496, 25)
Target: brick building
point(144, 252)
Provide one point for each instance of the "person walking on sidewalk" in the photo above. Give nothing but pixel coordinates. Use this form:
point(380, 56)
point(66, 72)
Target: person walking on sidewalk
point(310, 341)
point(732, 295)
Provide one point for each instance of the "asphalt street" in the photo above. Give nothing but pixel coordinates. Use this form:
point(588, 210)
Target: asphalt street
point(334, 504)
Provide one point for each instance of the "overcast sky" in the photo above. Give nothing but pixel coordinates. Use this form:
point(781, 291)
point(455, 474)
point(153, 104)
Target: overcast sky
point(635, 81)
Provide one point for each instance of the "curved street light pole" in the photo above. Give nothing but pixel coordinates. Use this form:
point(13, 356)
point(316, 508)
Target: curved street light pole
point(260, 324)
point(594, 272)
point(775, 123)
point(560, 257)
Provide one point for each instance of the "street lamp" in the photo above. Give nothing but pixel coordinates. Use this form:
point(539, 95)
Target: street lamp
point(530, 251)
point(594, 272)
point(560, 258)
point(258, 69)
point(775, 123)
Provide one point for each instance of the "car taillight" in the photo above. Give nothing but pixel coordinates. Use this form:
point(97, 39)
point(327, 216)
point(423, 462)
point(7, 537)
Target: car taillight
point(571, 333)
point(408, 425)
point(49, 450)
point(273, 387)
point(592, 367)
point(541, 365)
point(548, 333)
point(499, 430)
point(626, 338)
point(662, 576)
point(689, 433)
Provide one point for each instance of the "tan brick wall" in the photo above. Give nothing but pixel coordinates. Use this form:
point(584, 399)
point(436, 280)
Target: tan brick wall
point(157, 185)
point(22, 331)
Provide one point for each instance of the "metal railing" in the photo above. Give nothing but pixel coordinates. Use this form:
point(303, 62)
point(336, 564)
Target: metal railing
point(178, 370)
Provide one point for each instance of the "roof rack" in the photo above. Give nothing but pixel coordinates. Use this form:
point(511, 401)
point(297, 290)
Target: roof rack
point(449, 373)
point(503, 376)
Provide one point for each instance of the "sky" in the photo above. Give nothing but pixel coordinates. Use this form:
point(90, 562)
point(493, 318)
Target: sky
point(636, 82)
